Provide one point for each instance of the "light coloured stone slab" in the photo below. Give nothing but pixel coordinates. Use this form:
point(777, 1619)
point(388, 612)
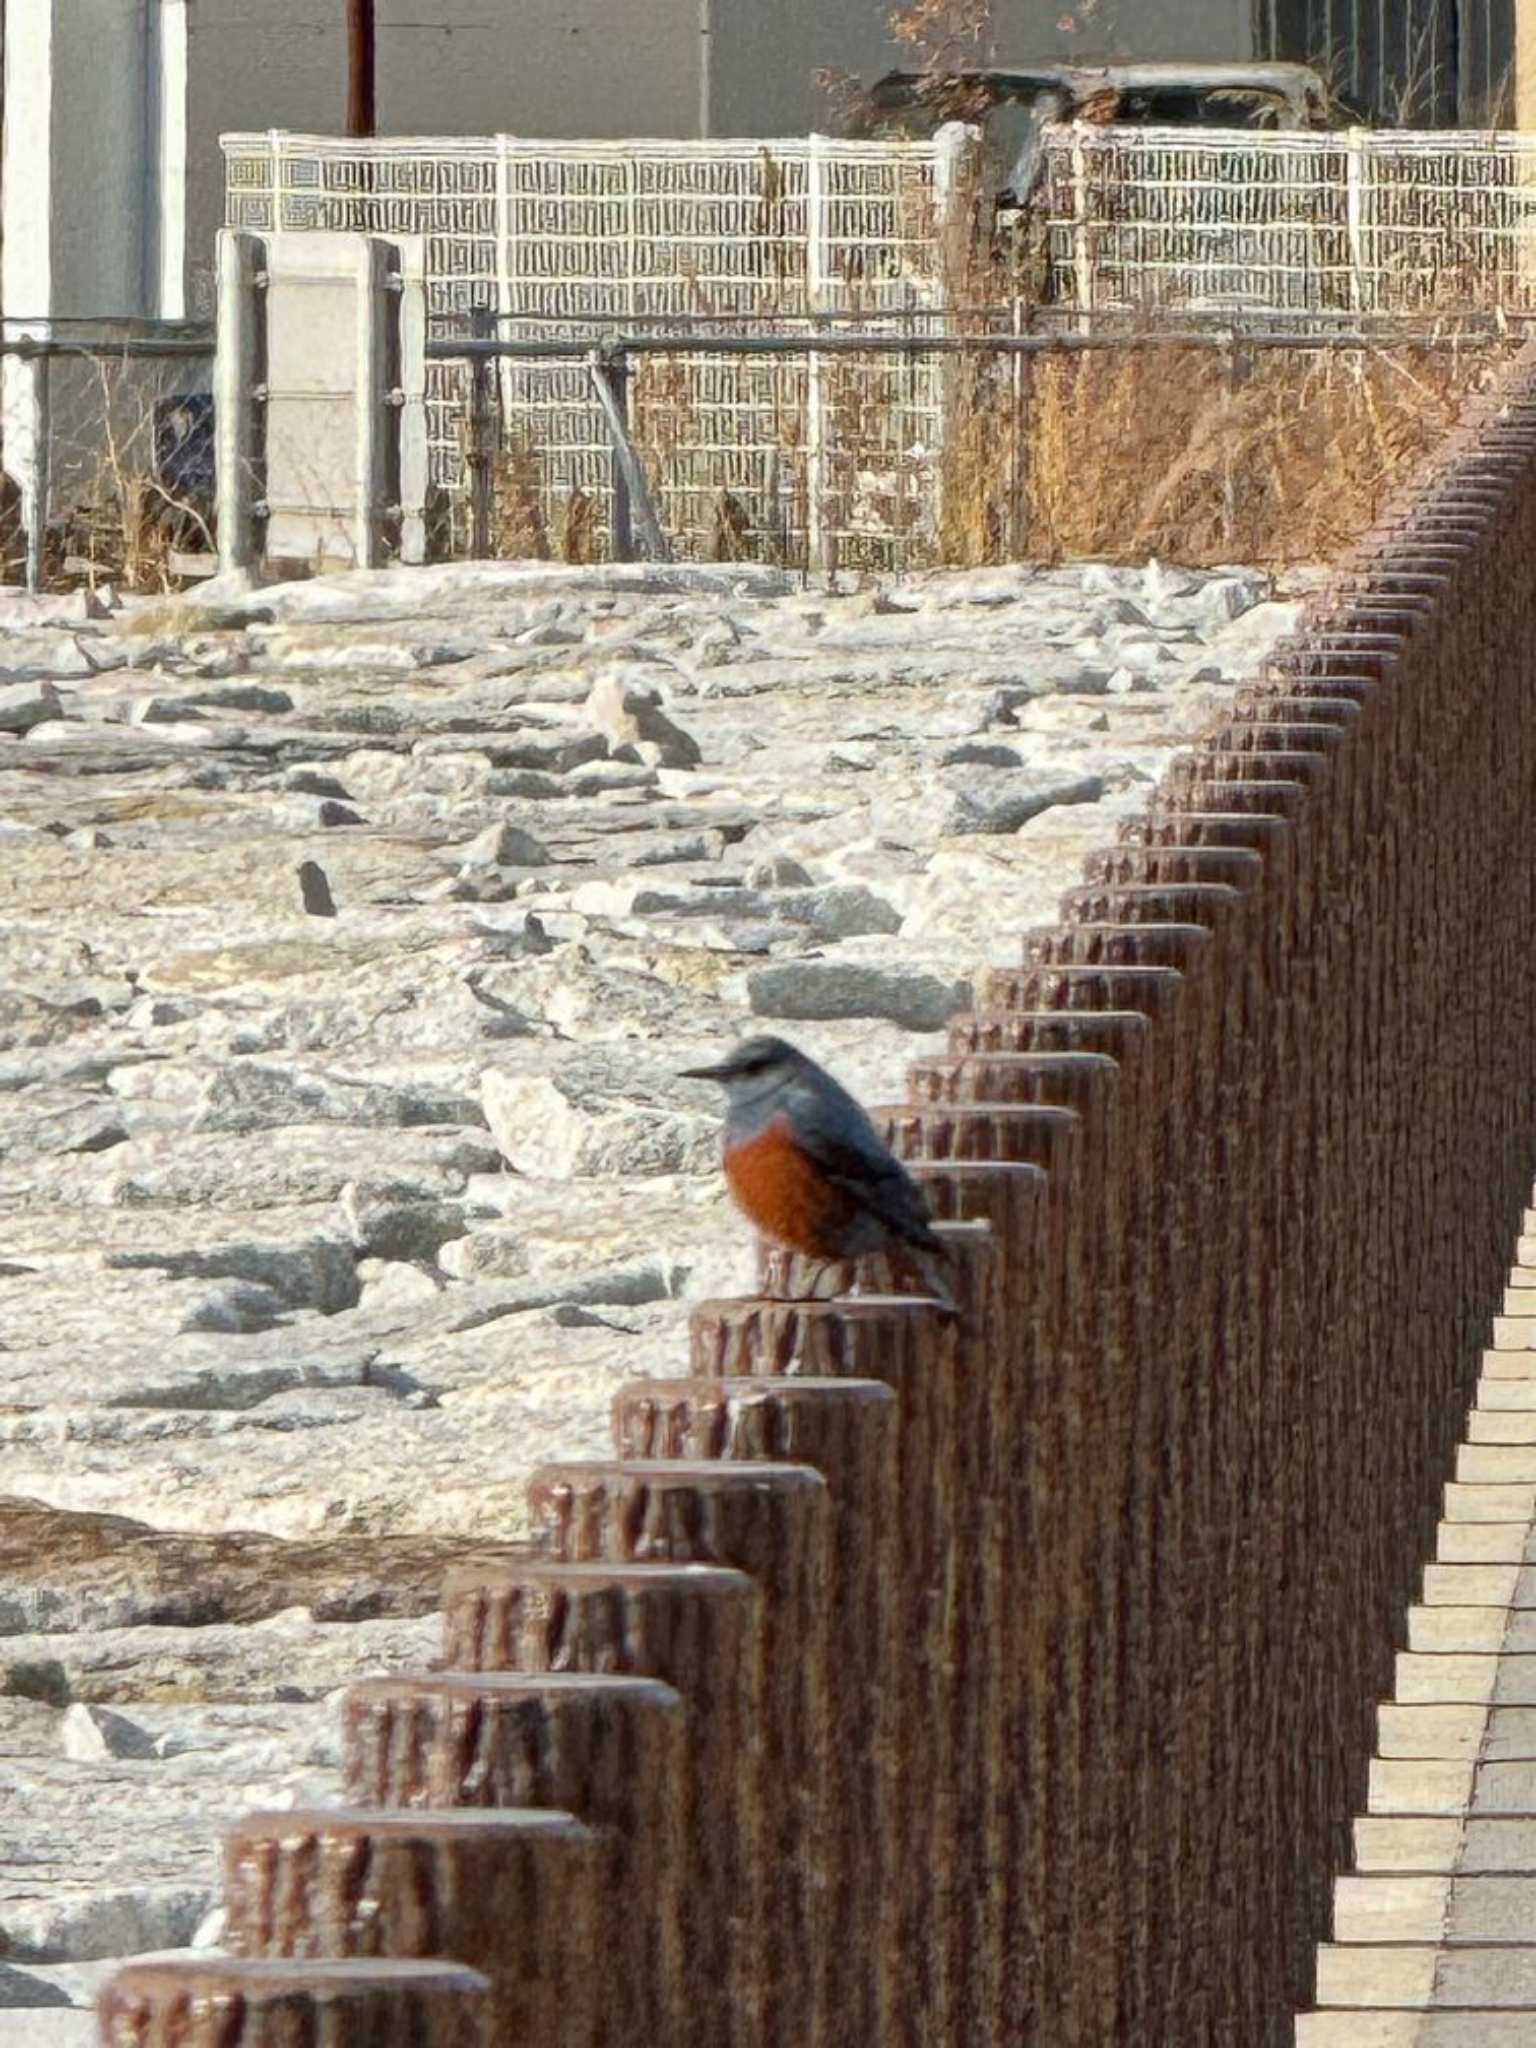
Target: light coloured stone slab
point(1496, 1464)
point(57, 2026)
point(1422, 1974)
point(1482, 1542)
point(1505, 1421)
point(1484, 1845)
point(1514, 1333)
point(1447, 1680)
point(1504, 1391)
point(1408, 1845)
point(1361, 2029)
point(1506, 1365)
point(1439, 1908)
point(1449, 1734)
point(1478, 1585)
point(1418, 1785)
point(1369, 1975)
point(1485, 1502)
point(1367, 1909)
point(1483, 1629)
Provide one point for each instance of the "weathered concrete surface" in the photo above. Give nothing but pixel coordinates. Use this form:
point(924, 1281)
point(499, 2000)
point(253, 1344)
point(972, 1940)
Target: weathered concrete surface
point(353, 934)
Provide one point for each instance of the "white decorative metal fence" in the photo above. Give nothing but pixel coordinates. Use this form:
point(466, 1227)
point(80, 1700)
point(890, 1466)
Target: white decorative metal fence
point(577, 241)
point(1307, 228)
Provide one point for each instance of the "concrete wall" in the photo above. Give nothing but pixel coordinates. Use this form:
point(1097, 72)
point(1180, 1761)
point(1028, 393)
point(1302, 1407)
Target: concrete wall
point(1208, 30)
point(282, 64)
point(763, 60)
point(540, 67)
point(80, 163)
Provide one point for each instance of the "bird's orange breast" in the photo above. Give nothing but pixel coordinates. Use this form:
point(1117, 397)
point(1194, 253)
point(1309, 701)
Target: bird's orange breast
point(786, 1194)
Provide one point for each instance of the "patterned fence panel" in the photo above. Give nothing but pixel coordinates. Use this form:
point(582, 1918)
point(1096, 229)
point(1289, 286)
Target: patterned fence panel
point(586, 240)
point(1300, 228)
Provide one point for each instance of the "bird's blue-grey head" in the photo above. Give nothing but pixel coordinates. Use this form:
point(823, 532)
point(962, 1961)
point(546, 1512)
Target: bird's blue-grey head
point(757, 1071)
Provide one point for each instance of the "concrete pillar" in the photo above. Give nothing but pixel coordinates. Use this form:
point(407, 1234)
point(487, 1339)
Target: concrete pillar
point(235, 410)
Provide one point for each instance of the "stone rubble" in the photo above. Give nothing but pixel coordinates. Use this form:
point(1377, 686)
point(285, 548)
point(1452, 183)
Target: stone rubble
point(354, 931)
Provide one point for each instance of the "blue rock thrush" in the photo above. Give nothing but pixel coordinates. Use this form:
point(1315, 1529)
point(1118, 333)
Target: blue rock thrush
point(809, 1168)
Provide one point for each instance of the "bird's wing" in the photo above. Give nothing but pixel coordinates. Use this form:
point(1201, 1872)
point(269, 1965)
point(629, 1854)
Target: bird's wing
point(842, 1140)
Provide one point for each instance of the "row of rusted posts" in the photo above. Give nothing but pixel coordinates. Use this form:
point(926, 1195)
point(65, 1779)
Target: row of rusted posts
point(914, 1677)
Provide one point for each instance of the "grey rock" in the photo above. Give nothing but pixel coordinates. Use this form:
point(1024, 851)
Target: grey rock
point(998, 801)
point(315, 890)
point(777, 871)
point(389, 1220)
point(848, 911)
point(506, 846)
point(499, 1253)
point(600, 1116)
point(249, 1095)
point(23, 705)
point(976, 754)
point(306, 781)
point(109, 1922)
point(238, 1306)
point(91, 1734)
point(821, 989)
point(600, 777)
point(636, 728)
point(30, 657)
point(316, 1273)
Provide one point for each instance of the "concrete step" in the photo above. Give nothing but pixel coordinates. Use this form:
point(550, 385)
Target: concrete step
point(1459, 1734)
point(1500, 1419)
point(1490, 1630)
point(1358, 2028)
point(1420, 1974)
point(1439, 1908)
point(1417, 1785)
point(1479, 1585)
point(1483, 1543)
point(1507, 1364)
point(1499, 1844)
point(1448, 1733)
point(1437, 1679)
point(1496, 1464)
point(1483, 1502)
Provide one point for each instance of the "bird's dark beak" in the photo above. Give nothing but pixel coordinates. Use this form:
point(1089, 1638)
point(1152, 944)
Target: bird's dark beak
point(721, 1073)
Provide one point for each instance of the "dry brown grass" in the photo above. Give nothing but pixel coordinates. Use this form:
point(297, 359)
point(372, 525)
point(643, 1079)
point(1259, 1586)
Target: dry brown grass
point(1281, 456)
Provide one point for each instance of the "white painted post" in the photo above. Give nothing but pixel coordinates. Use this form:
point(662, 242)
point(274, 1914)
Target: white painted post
point(411, 313)
point(235, 370)
point(1082, 252)
point(1354, 211)
point(169, 286)
point(374, 311)
point(35, 493)
point(815, 422)
point(954, 199)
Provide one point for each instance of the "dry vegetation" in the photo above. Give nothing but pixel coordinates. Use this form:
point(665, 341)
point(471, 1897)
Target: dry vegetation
point(1279, 456)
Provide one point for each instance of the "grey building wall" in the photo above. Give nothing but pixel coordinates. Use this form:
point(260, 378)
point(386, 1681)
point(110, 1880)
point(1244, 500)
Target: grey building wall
point(279, 64)
point(763, 59)
point(99, 63)
point(538, 67)
point(1209, 31)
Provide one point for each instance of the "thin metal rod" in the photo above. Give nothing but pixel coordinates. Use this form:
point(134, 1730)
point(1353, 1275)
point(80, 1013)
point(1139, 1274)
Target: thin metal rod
point(362, 68)
point(466, 349)
point(634, 511)
point(30, 347)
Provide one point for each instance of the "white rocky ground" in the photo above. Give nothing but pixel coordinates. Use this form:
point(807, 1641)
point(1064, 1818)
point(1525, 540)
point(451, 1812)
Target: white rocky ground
point(352, 932)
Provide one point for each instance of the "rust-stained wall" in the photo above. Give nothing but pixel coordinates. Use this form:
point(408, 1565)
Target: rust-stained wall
point(920, 1679)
